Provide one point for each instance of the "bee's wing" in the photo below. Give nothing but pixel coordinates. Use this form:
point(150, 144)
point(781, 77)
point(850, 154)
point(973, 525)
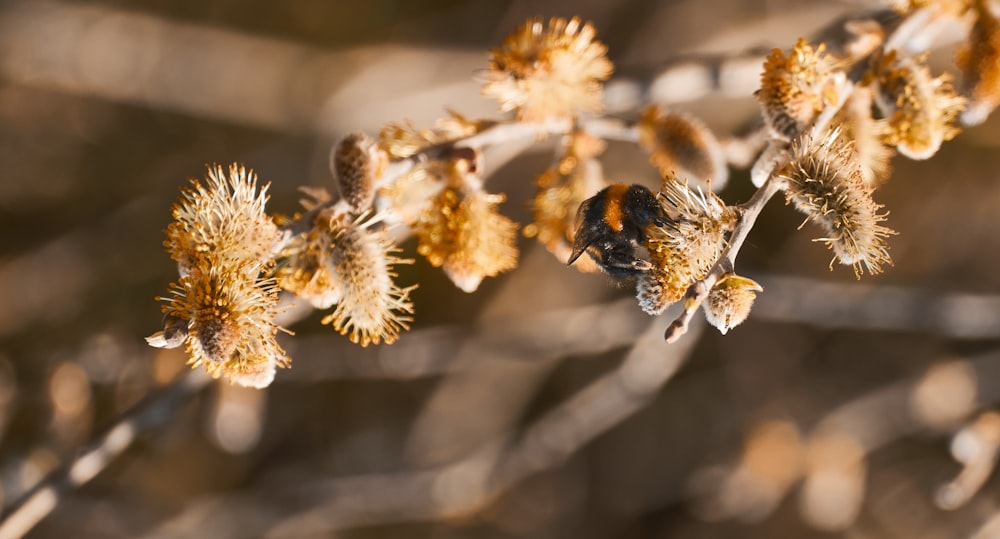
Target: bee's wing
point(586, 233)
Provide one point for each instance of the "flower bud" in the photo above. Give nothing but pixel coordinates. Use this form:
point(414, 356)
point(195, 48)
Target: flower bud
point(730, 301)
point(357, 162)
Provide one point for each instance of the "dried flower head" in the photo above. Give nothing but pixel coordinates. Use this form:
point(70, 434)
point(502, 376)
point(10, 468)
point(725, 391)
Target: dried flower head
point(356, 163)
point(682, 145)
point(359, 257)
point(684, 249)
point(730, 301)
point(552, 70)
point(468, 237)
point(222, 220)
point(795, 88)
point(921, 109)
point(230, 320)
point(825, 183)
point(979, 62)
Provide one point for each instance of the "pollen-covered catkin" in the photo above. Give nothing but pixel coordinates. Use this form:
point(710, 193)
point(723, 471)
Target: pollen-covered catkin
point(468, 237)
point(684, 249)
point(223, 243)
point(682, 145)
point(552, 70)
point(979, 63)
point(371, 307)
point(794, 88)
point(222, 218)
point(922, 109)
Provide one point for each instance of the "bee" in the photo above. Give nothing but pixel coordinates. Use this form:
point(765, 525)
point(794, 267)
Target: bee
point(612, 224)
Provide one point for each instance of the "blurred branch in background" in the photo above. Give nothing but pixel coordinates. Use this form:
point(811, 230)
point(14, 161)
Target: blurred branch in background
point(215, 73)
point(459, 488)
point(228, 75)
point(946, 393)
point(488, 402)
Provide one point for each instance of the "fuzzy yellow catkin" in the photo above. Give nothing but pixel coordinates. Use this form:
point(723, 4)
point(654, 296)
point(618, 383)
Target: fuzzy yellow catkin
point(223, 242)
point(795, 87)
point(549, 70)
point(222, 218)
point(371, 307)
point(979, 63)
point(468, 237)
point(922, 109)
point(232, 324)
point(684, 249)
point(824, 182)
point(559, 192)
point(680, 144)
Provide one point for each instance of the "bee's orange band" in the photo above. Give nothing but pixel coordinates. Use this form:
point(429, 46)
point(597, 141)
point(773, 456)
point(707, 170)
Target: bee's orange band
point(613, 206)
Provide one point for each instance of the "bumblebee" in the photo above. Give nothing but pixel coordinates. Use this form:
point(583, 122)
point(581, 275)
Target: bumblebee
point(612, 224)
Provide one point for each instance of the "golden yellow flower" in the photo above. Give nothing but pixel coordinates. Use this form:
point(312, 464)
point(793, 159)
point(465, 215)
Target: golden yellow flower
point(684, 249)
point(230, 321)
point(223, 307)
point(825, 183)
point(795, 88)
point(552, 70)
point(223, 219)
point(921, 109)
point(681, 145)
point(468, 237)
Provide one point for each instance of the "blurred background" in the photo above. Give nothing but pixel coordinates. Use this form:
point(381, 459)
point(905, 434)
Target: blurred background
point(830, 413)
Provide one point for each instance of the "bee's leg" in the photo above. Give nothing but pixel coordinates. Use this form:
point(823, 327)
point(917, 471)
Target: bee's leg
point(624, 265)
